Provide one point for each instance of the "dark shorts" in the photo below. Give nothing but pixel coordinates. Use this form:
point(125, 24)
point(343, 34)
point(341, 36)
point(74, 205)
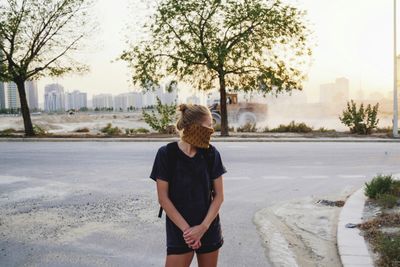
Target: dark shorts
point(200, 250)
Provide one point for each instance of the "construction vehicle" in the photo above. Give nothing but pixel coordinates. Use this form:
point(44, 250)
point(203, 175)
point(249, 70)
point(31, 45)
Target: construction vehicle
point(241, 113)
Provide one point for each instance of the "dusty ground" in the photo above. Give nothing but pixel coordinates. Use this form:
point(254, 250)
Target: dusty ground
point(301, 232)
point(69, 123)
point(62, 124)
point(45, 222)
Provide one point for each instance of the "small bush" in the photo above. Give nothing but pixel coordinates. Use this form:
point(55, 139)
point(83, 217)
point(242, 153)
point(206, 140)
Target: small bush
point(380, 184)
point(387, 201)
point(361, 121)
point(325, 130)
point(8, 131)
point(389, 250)
point(247, 128)
point(109, 130)
point(217, 128)
point(142, 130)
point(292, 127)
point(82, 130)
point(39, 130)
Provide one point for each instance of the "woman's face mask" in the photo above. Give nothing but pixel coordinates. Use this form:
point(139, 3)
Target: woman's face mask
point(197, 135)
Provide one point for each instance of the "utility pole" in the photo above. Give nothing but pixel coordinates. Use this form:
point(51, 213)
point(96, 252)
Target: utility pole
point(395, 104)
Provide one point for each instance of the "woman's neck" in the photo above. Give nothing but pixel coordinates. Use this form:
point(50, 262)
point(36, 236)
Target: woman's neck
point(187, 148)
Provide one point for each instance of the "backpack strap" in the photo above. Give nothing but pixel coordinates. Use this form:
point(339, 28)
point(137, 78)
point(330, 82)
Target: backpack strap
point(172, 151)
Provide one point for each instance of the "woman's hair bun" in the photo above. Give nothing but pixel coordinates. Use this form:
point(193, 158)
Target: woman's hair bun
point(182, 107)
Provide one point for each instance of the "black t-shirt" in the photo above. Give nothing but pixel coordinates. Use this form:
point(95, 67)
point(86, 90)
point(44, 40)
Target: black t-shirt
point(189, 192)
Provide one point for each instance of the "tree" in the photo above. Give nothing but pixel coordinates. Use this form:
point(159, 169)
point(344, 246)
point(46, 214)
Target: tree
point(240, 44)
point(37, 38)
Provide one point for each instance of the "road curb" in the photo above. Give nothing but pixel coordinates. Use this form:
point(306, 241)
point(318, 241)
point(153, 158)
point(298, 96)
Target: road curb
point(218, 139)
point(351, 245)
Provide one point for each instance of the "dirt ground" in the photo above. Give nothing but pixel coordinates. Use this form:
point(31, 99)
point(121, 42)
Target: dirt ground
point(301, 232)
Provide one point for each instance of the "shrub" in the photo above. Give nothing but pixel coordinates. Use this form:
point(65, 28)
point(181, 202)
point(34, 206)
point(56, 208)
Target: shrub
point(380, 184)
point(325, 130)
point(82, 130)
point(217, 128)
point(389, 249)
point(386, 200)
point(291, 127)
point(142, 130)
point(164, 117)
point(136, 131)
point(39, 130)
point(109, 130)
point(8, 131)
point(361, 121)
point(247, 128)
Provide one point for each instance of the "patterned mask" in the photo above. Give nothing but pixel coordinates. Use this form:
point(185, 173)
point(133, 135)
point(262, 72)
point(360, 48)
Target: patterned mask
point(197, 135)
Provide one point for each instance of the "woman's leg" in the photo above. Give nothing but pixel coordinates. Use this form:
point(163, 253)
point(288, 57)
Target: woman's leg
point(179, 260)
point(209, 259)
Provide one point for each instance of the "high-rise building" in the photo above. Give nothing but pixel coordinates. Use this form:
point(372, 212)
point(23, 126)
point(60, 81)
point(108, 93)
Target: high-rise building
point(75, 100)
point(149, 98)
point(13, 95)
point(102, 101)
point(138, 100)
point(172, 96)
point(124, 101)
point(32, 94)
point(3, 96)
point(337, 93)
point(54, 98)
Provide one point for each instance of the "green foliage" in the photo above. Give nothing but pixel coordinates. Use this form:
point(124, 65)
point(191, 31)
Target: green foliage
point(162, 119)
point(204, 42)
point(292, 127)
point(217, 127)
point(247, 128)
point(109, 130)
point(82, 130)
point(362, 120)
point(38, 36)
point(380, 184)
point(386, 200)
point(325, 130)
point(139, 130)
point(39, 130)
point(8, 131)
point(389, 250)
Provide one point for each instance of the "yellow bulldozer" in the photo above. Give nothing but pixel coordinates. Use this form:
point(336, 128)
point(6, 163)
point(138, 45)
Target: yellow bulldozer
point(239, 112)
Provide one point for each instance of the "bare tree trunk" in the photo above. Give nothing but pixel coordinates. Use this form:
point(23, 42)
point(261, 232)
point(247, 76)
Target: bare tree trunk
point(224, 113)
point(25, 109)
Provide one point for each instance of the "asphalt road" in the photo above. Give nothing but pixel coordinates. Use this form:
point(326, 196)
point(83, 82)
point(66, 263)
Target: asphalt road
point(92, 203)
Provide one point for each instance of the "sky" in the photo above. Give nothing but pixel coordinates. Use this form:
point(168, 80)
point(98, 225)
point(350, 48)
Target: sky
point(354, 39)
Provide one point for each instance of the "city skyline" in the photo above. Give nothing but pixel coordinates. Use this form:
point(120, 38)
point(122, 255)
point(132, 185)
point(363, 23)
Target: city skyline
point(354, 46)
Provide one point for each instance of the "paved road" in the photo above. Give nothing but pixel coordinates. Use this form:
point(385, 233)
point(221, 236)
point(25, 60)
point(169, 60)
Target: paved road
point(92, 204)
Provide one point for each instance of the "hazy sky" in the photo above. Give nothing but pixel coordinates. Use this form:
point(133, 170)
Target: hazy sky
point(354, 40)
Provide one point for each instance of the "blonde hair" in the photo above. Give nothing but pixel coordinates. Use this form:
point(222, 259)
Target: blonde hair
point(191, 114)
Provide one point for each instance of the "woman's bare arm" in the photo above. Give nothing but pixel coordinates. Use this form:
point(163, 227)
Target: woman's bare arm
point(216, 202)
point(168, 206)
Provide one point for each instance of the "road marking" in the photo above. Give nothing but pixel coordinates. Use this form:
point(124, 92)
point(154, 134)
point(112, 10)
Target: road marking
point(315, 176)
point(144, 179)
point(351, 176)
point(276, 177)
point(236, 177)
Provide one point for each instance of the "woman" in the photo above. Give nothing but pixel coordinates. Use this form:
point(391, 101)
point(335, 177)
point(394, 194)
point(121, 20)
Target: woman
point(192, 221)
